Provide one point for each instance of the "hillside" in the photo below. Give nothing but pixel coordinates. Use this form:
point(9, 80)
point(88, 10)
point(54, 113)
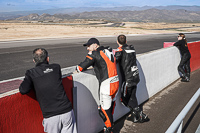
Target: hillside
point(76, 11)
point(149, 15)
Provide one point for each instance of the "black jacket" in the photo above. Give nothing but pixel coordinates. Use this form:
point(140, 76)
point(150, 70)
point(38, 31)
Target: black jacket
point(182, 45)
point(46, 80)
point(103, 62)
point(126, 58)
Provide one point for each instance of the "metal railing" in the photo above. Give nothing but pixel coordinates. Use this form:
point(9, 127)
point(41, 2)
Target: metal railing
point(178, 122)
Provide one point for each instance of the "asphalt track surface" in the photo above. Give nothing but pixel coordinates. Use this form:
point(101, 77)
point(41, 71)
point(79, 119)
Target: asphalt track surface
point(16, 56)
point(162, 109)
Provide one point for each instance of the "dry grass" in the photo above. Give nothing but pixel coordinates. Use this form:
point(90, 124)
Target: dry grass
point(20, 31)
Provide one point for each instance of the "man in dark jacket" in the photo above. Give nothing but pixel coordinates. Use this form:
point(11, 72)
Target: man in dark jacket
point(126, 57)
point(103, 61)
point(46, 80)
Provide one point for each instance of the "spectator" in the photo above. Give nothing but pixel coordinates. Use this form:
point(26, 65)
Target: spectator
point(126, 57)
point(103, 61)
point(184, 66)
point(46, 80)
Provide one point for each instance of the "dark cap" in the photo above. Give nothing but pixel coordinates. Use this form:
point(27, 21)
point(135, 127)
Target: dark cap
point(91, 41)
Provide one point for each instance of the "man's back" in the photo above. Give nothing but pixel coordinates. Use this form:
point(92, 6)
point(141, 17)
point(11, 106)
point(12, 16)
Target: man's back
point(47, 82)
point(126, 57)
point(103, 62)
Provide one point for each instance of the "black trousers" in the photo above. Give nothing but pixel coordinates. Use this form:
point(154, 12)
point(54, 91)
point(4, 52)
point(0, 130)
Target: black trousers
point(129, 96)
point(184, 66)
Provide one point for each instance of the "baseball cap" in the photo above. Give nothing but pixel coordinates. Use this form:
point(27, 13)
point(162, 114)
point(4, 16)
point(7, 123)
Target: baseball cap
point(91, 41)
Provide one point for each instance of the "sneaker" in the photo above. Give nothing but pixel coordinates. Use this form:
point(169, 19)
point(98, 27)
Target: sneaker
point(108, 129)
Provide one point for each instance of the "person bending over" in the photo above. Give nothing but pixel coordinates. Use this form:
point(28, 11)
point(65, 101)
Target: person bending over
point(103, 61)
point(46, 80)
point(184, 65)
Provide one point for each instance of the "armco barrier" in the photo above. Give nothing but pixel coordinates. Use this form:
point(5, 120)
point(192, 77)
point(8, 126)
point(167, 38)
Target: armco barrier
point(22, 113)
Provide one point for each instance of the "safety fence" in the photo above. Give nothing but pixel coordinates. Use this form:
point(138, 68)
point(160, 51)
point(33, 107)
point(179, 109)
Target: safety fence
point(157, 69)
point(178, 122)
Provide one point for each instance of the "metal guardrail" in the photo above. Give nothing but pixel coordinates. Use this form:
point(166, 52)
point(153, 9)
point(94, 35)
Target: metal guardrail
point(178, 122)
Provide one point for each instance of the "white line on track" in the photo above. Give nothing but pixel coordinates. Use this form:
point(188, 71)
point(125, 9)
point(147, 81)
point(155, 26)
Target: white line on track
point(48, 39)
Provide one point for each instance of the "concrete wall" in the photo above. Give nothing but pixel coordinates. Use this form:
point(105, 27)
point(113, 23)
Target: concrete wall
point(86, 101)
point(158, 69)
point(194, 48)
point(22, 113)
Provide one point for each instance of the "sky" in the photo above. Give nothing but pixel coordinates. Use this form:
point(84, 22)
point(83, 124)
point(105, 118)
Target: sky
point(25, 5)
